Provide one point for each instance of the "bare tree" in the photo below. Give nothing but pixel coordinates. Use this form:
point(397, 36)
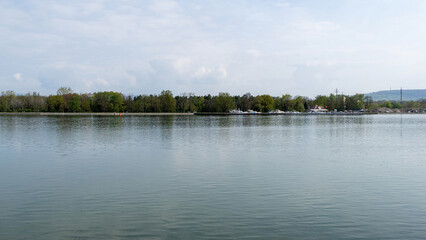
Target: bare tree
point(64, 91)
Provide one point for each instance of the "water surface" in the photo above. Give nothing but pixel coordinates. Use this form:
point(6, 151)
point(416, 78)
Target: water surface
point(199, 177)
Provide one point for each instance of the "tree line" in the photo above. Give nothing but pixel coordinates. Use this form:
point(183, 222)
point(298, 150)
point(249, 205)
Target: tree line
point(65, 100)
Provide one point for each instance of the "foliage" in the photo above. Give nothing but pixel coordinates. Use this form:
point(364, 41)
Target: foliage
point(189, 103)
point(75, 103)
point(224, 102)
point(108, 102)
point(168, 103)
point(86, 102)
point(66, 101)
point(245, 102)
point(64, 91)
point(355, 102)
point(285, 103)
point(299, 104)
point(263, 103)
point(387, 104)
point(55, 103)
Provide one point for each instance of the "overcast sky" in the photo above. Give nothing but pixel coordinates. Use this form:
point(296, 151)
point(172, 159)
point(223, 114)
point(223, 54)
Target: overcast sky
point(263, 47)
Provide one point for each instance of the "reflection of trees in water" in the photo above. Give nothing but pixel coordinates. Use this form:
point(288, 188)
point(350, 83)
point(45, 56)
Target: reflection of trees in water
point(71, 132)
point(253, 120)
point(401, 124)
point(166, 127)
point(167, 121)
point(113, 130)
point(224, 121)
point(340, 120)
point(151, 128)
point(345, 125)
point(113, 123)
point(244, 121)
point(74, 132)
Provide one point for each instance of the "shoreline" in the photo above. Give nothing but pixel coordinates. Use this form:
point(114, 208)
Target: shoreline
point(91, 114)
point(179, 114)
point(193, 114)
point(272, 114)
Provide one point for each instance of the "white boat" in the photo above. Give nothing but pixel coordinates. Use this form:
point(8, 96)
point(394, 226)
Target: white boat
point(237, 111)
point(275, 111)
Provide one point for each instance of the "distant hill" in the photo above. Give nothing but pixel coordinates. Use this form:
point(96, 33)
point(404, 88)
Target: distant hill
point(394, 95)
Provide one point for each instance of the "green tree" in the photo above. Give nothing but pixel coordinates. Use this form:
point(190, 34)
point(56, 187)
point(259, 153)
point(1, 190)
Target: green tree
point(209, 103)
point(198, 103)
point(224, 102)
point(141, 104)
point(13, 101)
point(186, 103)
point(263, 103)
point(5, 99)
point(332, 102)
point(168, 103)
point(245, 102)
point(285, 103)
point(387, 104)
point(154, 104)
point(299, 104)
point(396, 105)
point(75, 103)
point(4, 105)
point(412, 105)
point(116, 102)
point(322, 100)
point(372, 106)
point(129, 103)
point(86, 102)
point(55, 103)
point(355, 102)
point(108, 102)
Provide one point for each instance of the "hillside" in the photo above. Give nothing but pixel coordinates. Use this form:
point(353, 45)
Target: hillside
point(394, 95)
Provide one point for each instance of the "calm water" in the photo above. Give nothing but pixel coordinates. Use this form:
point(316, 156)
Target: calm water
point(238, 177)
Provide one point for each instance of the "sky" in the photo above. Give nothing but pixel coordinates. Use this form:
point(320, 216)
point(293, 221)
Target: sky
point(304, 47)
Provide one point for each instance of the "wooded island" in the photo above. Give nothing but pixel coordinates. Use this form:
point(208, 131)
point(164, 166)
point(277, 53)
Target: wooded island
point(65, 100)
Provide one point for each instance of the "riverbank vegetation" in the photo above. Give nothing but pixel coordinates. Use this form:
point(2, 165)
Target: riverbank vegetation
point(65, 100)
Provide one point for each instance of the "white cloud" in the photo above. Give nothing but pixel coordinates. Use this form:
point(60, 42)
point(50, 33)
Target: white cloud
point(283, 4)
point(202, 72)
point(222, 73)
point(231, 46)
point(17, 76)
point(206, 72)
point(164, 6)
point(182, 65)
point(254, 52)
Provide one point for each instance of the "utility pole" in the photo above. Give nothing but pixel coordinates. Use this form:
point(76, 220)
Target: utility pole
point(336, 100)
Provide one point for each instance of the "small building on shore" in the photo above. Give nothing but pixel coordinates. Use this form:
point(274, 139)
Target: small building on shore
point(318, 109)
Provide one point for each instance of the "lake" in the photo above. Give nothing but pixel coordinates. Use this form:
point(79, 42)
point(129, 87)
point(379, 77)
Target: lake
point(213, 177)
